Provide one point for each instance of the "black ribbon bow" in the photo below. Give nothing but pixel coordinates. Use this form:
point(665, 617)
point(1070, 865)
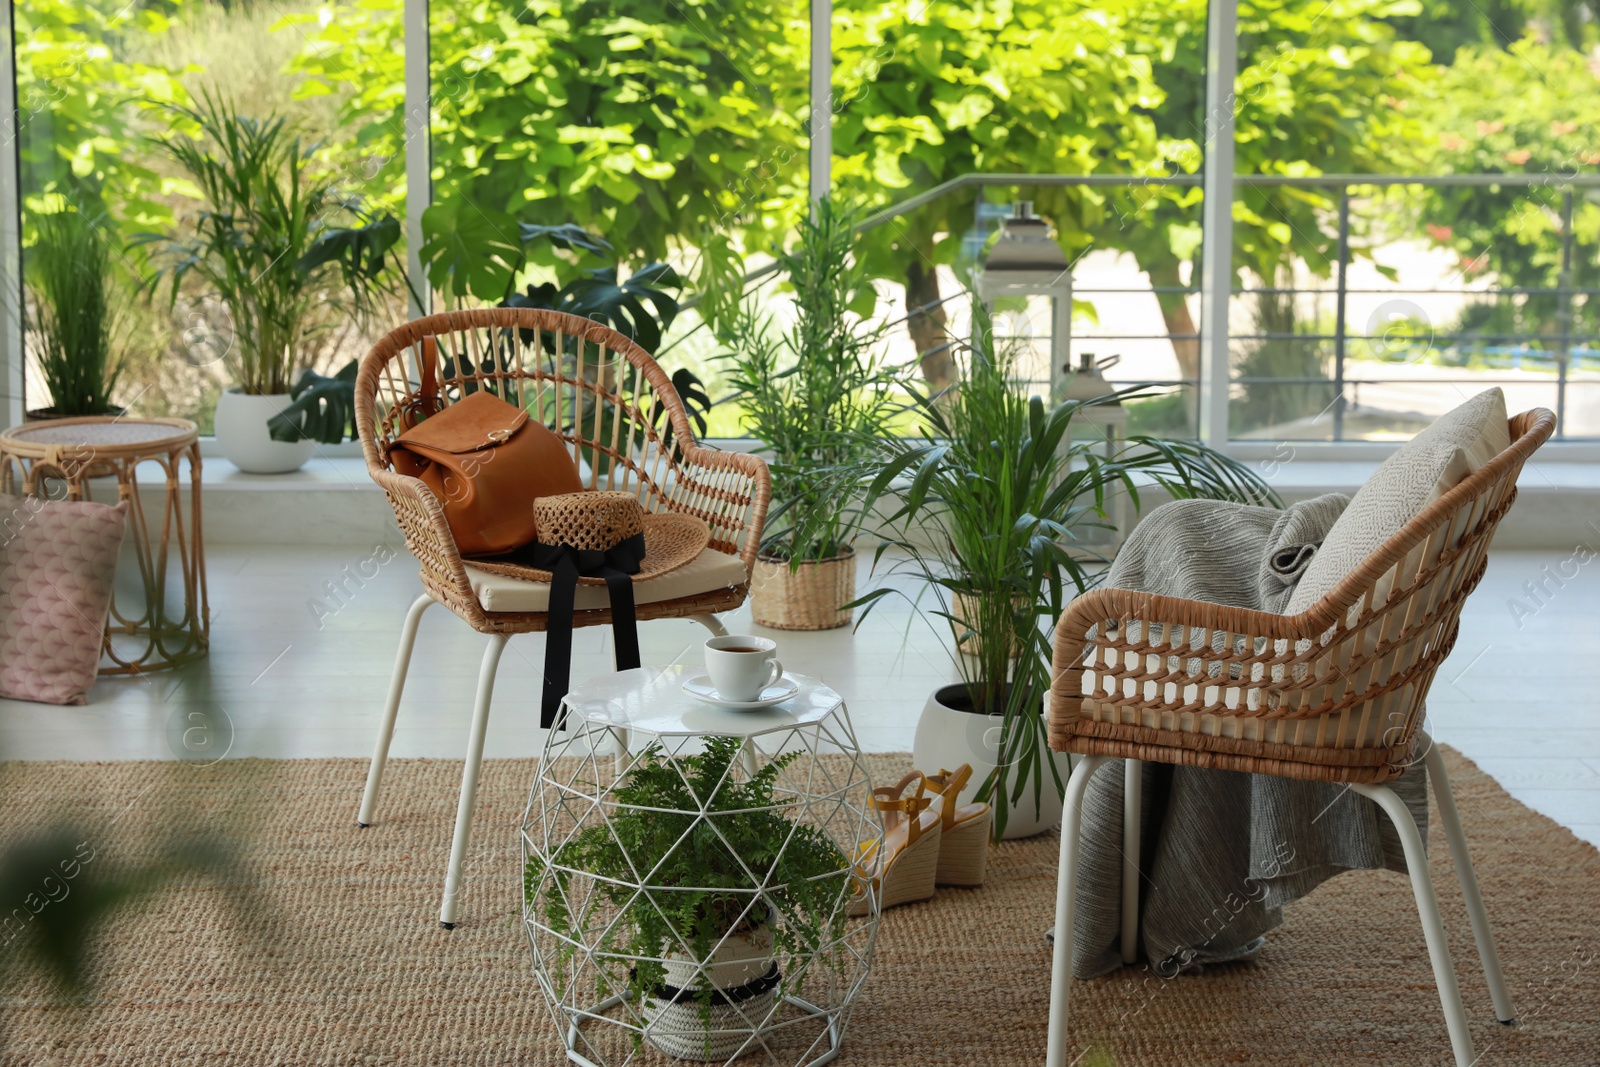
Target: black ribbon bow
point(566, 565)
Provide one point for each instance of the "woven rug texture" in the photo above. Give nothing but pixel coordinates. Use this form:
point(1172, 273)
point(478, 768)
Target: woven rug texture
point(322, 947)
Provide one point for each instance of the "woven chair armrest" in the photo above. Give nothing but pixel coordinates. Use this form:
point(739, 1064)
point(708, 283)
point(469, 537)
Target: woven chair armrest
point(730, 490)
point(1153, 612)
point(427, 532)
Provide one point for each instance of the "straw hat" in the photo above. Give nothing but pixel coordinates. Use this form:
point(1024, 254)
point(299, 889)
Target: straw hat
point(599, 521)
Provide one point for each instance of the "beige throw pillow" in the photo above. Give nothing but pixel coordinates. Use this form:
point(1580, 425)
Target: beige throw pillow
point(1418, 473)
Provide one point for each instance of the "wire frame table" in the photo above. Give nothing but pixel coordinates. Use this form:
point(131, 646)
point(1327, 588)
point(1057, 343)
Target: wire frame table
point(169, 624)
point(774, 999)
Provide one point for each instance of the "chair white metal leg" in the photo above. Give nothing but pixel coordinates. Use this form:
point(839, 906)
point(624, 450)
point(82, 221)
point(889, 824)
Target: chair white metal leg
point(1132, 796)
point(397, 684)
point(1504, 1010)
point(1444, 974)
point(712, 623)
point(1066, 876)
point(469, 780)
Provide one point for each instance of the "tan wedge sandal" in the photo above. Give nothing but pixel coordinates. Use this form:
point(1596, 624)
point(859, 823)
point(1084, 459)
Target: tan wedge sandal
point(903, 867)
point(965, 829)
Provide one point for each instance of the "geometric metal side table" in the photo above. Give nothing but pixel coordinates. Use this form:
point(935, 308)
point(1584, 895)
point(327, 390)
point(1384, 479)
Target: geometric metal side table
point(796, 1009)
point(60, 458)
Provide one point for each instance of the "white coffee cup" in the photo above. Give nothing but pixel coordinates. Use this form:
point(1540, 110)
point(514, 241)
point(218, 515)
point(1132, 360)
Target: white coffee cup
point(741, 665)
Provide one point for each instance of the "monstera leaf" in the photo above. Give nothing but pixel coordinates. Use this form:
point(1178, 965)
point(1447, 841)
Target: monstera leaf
point(569, 236)
point(696, 404)
point(323, 409)
point(470, 251)
point(359, 250)
point(622, 306)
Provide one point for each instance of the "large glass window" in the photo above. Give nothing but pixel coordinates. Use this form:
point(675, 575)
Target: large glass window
point(668, 131)
point(1365, 310)
point(102, 84)
point(569, 137)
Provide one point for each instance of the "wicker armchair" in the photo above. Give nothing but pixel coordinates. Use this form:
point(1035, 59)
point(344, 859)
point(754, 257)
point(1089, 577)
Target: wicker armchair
point(603, 395)
point(1334, 694)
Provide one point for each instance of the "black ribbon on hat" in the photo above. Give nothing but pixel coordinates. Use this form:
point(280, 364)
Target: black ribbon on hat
point(617, 565)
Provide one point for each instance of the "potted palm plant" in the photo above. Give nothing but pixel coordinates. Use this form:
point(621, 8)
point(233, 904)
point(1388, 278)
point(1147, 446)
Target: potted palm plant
point(72, 313)
point(817, 397)
point(990, 510)
point(734, 888)
point(284, 248)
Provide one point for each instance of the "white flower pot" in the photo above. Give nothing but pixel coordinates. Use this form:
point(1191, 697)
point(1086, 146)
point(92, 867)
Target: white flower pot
point(242, 434)
point(947, 737)
point(741, 967)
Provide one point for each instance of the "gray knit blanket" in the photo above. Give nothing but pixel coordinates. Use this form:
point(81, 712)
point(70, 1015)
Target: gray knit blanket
point(1222, 852)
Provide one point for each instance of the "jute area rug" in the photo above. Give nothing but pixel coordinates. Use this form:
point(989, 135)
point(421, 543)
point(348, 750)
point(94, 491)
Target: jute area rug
point(322, 947)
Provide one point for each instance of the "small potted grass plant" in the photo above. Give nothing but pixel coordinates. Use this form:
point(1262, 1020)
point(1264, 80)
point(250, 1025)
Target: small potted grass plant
point(991, 509)
point(283, 246)
point(733, 888)
point(72, 318)
point(817, 397)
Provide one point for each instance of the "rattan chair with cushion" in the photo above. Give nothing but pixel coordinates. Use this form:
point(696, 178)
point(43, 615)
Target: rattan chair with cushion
point(626, 427)
point(1332, 694)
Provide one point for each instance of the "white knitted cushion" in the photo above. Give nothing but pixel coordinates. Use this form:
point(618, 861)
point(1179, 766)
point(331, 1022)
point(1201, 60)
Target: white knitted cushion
point(1418, 473)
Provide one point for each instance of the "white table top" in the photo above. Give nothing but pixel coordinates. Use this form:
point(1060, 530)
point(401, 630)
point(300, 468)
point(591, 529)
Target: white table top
point(652, 700)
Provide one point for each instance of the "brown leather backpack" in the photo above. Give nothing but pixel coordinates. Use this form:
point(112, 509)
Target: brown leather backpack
point(487, 462)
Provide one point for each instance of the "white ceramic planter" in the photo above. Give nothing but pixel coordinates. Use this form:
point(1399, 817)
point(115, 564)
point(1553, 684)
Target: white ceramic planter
point(242, 434)
point(947, 737)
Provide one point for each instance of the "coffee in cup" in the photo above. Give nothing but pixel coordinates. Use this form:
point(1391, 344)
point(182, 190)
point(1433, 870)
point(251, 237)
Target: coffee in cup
point(741, 666)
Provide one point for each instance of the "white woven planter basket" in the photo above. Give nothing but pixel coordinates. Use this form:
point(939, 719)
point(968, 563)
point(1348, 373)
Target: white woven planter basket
point(744, 974)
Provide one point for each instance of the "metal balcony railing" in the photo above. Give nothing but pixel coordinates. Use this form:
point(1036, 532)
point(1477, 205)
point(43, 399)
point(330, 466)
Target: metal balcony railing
point(1559, 349)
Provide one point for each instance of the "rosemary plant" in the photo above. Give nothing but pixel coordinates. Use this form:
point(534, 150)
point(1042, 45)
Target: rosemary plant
point(819, 395)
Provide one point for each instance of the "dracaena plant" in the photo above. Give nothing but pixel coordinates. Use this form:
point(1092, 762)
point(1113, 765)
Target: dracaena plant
point(989, 508)
point(279, 242)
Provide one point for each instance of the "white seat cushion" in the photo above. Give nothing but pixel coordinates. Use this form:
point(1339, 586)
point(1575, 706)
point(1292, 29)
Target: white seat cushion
point(709, 571)
point(1419, 472)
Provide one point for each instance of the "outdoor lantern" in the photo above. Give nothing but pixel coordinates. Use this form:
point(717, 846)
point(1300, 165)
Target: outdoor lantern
point(1025, 261)
point(1106, 424)
point(1107, 421)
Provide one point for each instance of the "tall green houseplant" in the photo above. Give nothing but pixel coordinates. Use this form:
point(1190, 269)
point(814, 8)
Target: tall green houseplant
point(279, 243)
point(817, 397)
point(989, 511)
point(72, 316)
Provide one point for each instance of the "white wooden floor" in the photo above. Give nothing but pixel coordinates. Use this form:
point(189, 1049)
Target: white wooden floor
point(303, 641)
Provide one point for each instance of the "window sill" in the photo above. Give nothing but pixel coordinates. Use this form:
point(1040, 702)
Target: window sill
point(331, 501)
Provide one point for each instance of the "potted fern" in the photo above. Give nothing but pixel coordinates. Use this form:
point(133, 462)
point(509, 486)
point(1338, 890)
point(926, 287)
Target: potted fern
point(991, 510)
point(817, 397)
point(285, 249)
point(734, 888)
point(72, 314)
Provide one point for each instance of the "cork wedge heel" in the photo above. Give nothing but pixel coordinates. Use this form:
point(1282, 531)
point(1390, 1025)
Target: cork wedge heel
point(902, 868)
point(965, 830)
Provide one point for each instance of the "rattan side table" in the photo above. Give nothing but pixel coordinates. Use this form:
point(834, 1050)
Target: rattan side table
point(60, 458)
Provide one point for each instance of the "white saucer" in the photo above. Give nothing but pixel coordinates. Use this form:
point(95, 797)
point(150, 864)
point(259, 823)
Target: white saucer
point(700, 688)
